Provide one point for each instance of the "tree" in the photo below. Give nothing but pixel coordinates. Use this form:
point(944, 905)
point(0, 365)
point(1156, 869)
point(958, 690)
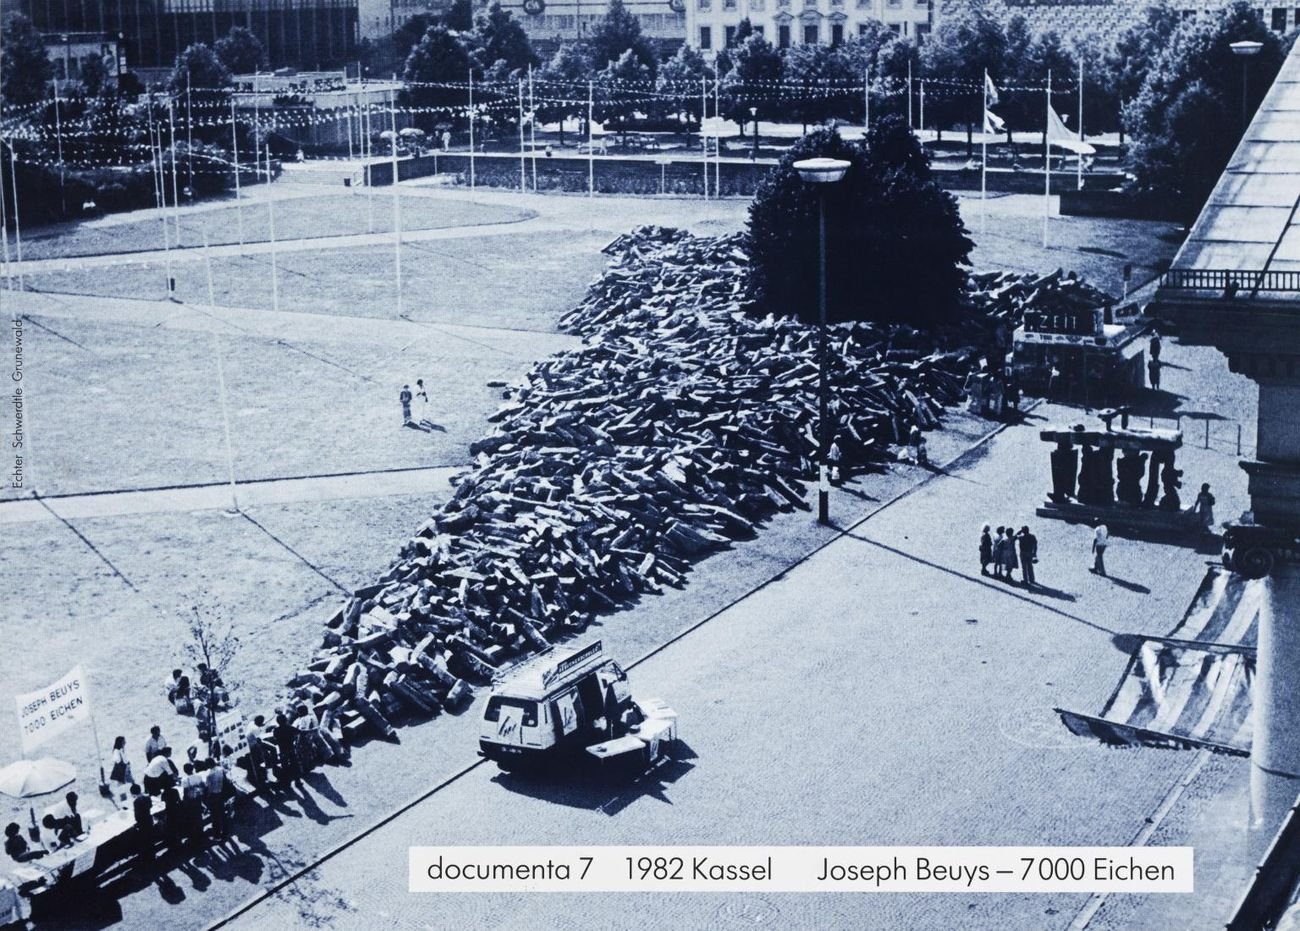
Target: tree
point(94, 76)
point(618, 32)
point(1048, 56)
point(616, 104)
point(459, 16)
point(241, 51)
point(498, 37)
point(1187, 119)
point(680, 77)
point(967, 43)
point(439, 57)
point(896, 245)
point(564, 80)
point(1100, 99)
point(25, 72)
point(813, 68)
point(756, 65)
point(890, 76)
point(198, 69)
point(1137, 49)
point(212, 649)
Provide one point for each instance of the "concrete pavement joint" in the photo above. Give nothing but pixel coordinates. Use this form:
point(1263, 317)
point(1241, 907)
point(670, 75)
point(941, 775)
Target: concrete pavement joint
point(90, 546)
point(305, 561)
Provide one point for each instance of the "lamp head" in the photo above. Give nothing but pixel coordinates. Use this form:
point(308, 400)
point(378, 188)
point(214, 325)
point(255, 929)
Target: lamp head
point(821, 170)
point(1246, 48)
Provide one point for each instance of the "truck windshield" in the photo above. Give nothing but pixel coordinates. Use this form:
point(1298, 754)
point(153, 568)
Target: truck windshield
point(497, 702)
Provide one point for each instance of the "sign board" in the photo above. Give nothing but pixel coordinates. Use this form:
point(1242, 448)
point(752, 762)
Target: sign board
point(48, 712)
point(571, 662)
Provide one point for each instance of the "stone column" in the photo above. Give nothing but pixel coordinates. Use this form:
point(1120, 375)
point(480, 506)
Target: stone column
point(1275, 751)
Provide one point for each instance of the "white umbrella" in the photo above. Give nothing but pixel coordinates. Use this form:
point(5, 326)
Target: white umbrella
point(387, 134)
point(35, 777)
point(410, 131)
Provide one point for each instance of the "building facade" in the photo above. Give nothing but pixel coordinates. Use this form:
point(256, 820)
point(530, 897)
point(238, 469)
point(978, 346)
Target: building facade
point(550, 22)
point(711, 24)
point(303, 34)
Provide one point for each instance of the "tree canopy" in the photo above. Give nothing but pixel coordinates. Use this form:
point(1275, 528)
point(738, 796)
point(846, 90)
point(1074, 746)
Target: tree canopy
point(25, 71)
point(198, 69)
point(438, 57)
point(896, 245)
point(241, 51)
point(617, 32)
point(498, 37)
point(1186, 120)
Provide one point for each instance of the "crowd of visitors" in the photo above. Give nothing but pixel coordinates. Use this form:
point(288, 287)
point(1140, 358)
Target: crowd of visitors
point(1008, 550)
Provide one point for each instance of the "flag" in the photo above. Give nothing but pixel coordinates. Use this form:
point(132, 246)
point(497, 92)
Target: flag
point(1062, 138)
point(990, 91)
point(994, 123)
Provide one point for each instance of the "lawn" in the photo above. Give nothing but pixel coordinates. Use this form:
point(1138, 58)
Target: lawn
point(305, 217)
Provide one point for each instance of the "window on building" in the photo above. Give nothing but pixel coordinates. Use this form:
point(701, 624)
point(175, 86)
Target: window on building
point(809, 35)
point(729, 34)
point(706, 37)
point(783, 4)
point(782, 36)
point(897, 27)
point(837, 4)
point(922, 33)
point(759, 29)
point(896, 4)
point(757, 6)
point(837, 34)
point(728, 4)
point(810, 4)
point(1279, 19)
point(864, 4)
point(863, 28)
point(704, 4)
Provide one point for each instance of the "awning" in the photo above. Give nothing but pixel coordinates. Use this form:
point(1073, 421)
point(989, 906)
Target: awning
point(1192, 689)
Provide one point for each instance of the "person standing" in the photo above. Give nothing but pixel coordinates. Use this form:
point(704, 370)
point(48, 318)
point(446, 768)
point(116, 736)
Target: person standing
point(1204, 507)
point(405, 397)
point(999, 552)
point(986, 550)
point(1028, 544)
point(284, 736)
point(142, 809)
point(153, 746)
point(1153, 374)
point(1154, 345)
point(1009, 553)
point(1100, 540)
point(121, 768)
point(215, 799)
point(161, 773)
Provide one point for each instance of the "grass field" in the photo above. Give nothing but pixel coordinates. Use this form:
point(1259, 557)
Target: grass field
point(302, 217)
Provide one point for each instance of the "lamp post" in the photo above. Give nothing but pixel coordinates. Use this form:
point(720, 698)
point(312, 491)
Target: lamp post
point(821, 172)
point(753, 113)
point(1245, 50)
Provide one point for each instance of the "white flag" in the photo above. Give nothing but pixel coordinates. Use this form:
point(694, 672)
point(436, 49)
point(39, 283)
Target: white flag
point(990, 91)
point(994, 123)
point(48, 712)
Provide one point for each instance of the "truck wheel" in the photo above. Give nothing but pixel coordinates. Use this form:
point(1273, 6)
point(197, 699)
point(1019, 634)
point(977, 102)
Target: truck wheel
point(1254, 563)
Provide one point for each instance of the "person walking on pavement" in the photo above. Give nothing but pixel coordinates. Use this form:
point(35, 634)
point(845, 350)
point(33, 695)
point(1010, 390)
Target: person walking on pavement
point(1009, 553)
point(1154, 345)
point(1153, 374)
point(1204, 507)
point(986, 550)
point(405, 398)
point(1028, 555)
point(1100, 540)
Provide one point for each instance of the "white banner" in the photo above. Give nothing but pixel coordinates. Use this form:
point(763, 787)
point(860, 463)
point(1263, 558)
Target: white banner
point(802, 869)
point(48, 712)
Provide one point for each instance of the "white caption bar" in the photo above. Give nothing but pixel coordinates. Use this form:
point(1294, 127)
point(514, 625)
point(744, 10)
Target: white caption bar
point(801, 869)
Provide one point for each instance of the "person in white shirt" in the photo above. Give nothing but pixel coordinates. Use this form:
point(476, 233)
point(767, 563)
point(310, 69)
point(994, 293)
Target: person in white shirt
point(1100, 540)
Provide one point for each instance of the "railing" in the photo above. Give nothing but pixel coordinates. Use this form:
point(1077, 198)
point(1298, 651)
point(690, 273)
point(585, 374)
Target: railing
point(1230, 281)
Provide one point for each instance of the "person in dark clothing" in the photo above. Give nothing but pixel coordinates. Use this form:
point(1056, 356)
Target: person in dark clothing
point(285, 735)
point(405, 397)
point(16, 845)
point(73, 818)
point(1154, 345)
point(986, 550)
point(1153, 373)
point(1028, 544)
point(145, 836)
point(173, 818)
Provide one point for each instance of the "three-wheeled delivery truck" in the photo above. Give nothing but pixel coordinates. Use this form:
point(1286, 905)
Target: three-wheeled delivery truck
point(572, 702)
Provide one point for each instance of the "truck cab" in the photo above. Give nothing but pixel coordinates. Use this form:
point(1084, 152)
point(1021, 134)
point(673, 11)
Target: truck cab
point(569, 702)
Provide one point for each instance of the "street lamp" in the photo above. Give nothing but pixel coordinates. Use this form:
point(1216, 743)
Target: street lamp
point(1245, 50)
point(821, 172)
point(753, 113)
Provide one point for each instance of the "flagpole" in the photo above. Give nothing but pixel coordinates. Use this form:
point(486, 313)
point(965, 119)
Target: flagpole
point(922, 114)
point(591, 143)
point(717, 140)
point(704, 139)
point(176, 194)
point(234, 149)
point(270, 207)
point(397, 205)
point(1047, 160)
point(866, 101)
point(471, 130)
point(1079, 167)
point(532, 125)
point(523, 162)
point(984, 153)
point(909, 94)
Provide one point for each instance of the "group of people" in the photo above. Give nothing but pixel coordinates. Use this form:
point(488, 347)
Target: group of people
point(295, 745)
point(201, 700)
point(1007, 550)
point(407, 397)
point(992, 393)
point(58, 829)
